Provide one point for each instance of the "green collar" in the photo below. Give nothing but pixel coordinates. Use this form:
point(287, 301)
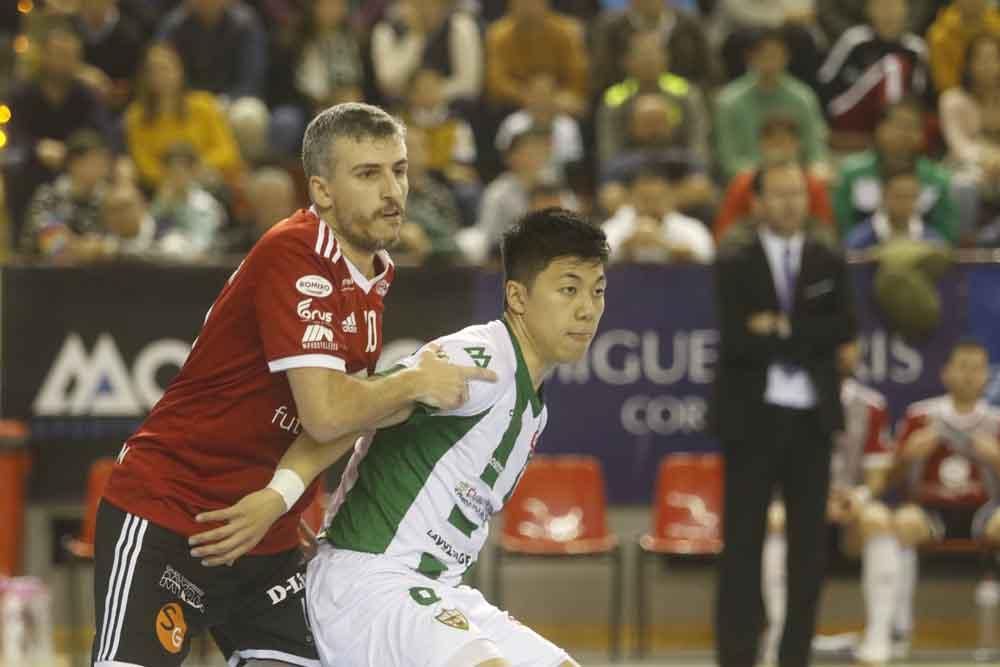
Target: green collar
point(523, 376)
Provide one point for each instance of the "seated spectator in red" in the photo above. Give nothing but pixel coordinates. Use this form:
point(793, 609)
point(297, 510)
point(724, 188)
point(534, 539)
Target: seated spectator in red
point(779, 142)
point(330, 69)
point(870, 66)
point(428, 34)
point(897, 217)
point(531, 39)
point(222, 44)
point(64, 216)
point(45, 110)
point(113, 44)
point(166, 112)
point(947, 461)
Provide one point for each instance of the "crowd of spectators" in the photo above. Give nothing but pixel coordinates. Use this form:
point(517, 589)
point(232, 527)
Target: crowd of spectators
point(171, 129)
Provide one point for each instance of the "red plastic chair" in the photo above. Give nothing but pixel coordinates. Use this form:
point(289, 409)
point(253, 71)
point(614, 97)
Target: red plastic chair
point(687, 520)
point(559, 511)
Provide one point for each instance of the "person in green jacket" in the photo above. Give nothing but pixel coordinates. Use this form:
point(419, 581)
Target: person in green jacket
point(899, 142)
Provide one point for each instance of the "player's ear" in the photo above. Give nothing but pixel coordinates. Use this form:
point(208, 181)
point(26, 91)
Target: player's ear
point(516, 294)
point(319, 192)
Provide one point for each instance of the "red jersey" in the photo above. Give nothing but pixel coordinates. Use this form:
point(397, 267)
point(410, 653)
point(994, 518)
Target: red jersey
point(864, 442)
point(953, 474)
point(227, 418)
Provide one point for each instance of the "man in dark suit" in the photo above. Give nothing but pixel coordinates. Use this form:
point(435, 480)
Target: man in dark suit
point(785, 309)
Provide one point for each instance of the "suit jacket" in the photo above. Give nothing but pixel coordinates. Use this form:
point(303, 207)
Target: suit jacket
point(822, 319)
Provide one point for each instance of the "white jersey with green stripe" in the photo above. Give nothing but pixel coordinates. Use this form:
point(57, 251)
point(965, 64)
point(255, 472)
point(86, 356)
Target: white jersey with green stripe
point(423, 492)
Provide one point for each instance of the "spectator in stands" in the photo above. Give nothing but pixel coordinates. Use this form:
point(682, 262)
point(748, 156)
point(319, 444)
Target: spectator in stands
point(899, 141)
point(836, 17)
point(779, 142)
point(428, 34)
point(767, 89)
point(506, 198)
point(897, 216)
point(872, 65)
point(551, 193)
point(166, 112)
point(541, 111)
point(64, 216)
point(651, 127)
point(222, 45)
point(647, 68)
point(330, 69)
point(430, 207)
point(531, 39)
point(949, 36)
point(271, 197)
point(129, 229)
point(188, 218)
point(970, 122)
point(113, 44)
point(44, 112)
point(947, 459)
point(451, 145)
point(650, 229)
point(682, 39)
point(737, 25)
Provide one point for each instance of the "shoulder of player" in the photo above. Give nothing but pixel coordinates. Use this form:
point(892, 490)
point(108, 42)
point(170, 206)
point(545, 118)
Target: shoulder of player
point(927, 407)
point(855, 391)
point(301, 233)
point(485, 345)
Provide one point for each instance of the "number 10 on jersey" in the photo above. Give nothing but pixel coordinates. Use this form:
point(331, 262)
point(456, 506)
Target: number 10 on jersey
point(371, 324)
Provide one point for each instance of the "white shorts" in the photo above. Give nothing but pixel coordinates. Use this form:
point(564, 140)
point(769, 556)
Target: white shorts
point(368, 610)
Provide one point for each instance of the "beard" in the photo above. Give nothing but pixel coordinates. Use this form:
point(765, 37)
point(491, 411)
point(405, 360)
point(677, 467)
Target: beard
point(355, 229)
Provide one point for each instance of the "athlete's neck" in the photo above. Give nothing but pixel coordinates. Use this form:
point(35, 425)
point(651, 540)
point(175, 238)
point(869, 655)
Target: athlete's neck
point(363, 260)
point(538, 368)
point(964, 407)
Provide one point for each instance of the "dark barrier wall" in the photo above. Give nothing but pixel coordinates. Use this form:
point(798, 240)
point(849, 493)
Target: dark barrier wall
point(86, 352)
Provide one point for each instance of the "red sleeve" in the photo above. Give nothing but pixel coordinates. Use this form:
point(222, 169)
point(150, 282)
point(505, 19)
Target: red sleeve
point(911, 423)
point(877, 439)
point(298, 307)
point(735, 205)
point(819, 201)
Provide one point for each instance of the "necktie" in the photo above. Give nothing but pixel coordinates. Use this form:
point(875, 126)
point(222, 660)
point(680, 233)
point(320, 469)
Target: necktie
point(788, 277)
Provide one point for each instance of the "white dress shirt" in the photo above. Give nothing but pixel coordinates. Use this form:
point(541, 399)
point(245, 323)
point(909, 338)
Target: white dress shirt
point(787, 386)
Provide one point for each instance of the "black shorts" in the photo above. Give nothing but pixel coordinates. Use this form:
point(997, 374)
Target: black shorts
point(151, 597)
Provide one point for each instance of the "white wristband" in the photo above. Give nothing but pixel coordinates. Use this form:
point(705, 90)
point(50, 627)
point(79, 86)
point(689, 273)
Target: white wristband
point(288, 485)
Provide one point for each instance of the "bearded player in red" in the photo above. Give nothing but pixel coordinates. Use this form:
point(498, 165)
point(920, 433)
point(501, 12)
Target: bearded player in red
point(285, 350)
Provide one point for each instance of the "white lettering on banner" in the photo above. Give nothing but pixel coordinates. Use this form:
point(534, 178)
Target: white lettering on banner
point(664, 415)
point(623, 357)
point(886, 357)
point(100, 384)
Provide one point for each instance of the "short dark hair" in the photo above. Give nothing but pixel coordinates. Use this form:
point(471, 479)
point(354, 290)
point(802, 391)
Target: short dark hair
point(762, 36)
point(351, 119)
point(761, 173)
point(82, 142)
point(543, 236)
point(901, 169)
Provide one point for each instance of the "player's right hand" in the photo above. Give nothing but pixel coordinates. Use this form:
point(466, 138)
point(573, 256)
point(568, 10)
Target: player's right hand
point(444, 385)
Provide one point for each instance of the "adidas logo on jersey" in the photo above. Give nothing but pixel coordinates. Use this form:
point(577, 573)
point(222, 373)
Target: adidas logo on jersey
point(350, 325)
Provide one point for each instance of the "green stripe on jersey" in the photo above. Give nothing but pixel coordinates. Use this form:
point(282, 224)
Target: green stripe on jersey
point(390, 478)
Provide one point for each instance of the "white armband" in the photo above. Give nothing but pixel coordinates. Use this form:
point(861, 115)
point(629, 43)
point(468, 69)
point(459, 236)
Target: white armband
point(289, 486)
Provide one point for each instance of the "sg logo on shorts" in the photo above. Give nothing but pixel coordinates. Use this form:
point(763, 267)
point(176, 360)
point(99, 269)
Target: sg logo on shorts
point(171, 627)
